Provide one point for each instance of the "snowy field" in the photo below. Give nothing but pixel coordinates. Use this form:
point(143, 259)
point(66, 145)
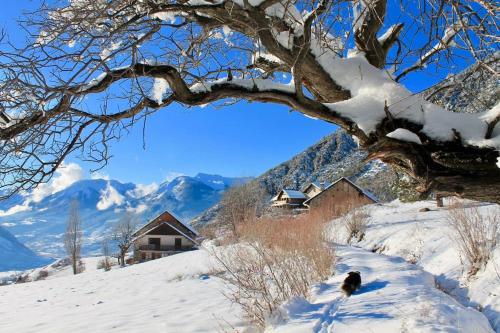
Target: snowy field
point(180, 293)
point(173, 294)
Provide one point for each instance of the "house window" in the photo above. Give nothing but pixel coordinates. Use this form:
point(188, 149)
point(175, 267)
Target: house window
point(154, 243)
point(143, 256)
point(178, 243)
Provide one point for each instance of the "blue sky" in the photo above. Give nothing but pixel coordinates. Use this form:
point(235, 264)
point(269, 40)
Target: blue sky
point(244, 139)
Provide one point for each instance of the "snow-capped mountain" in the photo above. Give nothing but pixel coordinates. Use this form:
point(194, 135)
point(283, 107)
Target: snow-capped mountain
point(40, 225)
point(15, 256)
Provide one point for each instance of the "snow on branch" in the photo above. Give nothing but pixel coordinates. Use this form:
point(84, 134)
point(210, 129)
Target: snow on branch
point(261, 85)
point(371, 88)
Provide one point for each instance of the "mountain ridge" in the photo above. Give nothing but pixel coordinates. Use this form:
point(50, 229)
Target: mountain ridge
point(40, 225)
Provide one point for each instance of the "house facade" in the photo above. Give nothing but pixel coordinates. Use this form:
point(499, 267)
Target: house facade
point(289, 199)
point(341, 195)
point(315, 188)
point(163, 236)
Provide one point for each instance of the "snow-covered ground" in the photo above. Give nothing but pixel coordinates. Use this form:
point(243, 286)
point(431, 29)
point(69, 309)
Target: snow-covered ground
point(182, 293)
point(395, 297)
point(399, 229)
point(174, 294)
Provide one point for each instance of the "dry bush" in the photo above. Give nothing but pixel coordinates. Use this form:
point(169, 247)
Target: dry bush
point(475, 233)
point(104, 264)
point(208, 231)
point(277, 260)
point(356, 222)
point(23, 278)
point(42, 275)
point(80, 268)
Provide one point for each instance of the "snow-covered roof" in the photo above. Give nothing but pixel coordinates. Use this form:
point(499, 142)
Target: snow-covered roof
point(320, 185)
point(365, 192)
point(145, 228)
point(294, 194)
point(171, 226)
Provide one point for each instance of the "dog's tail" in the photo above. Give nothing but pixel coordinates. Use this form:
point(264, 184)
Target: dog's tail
point(348, 289)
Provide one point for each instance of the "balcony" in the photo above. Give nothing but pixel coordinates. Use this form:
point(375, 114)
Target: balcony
point(164, 248)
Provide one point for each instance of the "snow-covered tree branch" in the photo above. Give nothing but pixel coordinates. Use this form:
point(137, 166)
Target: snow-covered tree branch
point(342, 62)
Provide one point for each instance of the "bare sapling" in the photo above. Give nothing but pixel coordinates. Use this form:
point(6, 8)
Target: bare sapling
point(123, 234)
point(73, 237)
point(105, 263)
point(240, 204)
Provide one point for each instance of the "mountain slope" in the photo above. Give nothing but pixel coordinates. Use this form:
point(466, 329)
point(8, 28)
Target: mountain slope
point(473, 90)
point(334, 156)
point(15, 256)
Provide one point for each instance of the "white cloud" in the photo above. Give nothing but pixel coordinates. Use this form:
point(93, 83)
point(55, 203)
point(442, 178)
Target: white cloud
point(8, 224)
point(109, 197)
point(67, 174)
point(139, 209)
point(141, 190)
point(16, 209)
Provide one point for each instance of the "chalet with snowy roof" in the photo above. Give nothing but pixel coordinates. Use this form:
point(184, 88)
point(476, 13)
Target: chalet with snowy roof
point(163, 236)
point(289, 199)
point(342, 194)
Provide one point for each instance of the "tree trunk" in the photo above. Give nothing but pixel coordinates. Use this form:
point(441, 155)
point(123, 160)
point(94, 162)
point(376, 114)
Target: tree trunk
point(73, 259)
point(439, 201)
point(446, 169)
point(122, 257)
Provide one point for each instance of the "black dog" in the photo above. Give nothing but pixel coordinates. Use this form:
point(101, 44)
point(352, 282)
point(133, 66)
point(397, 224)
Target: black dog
point(351, 283)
